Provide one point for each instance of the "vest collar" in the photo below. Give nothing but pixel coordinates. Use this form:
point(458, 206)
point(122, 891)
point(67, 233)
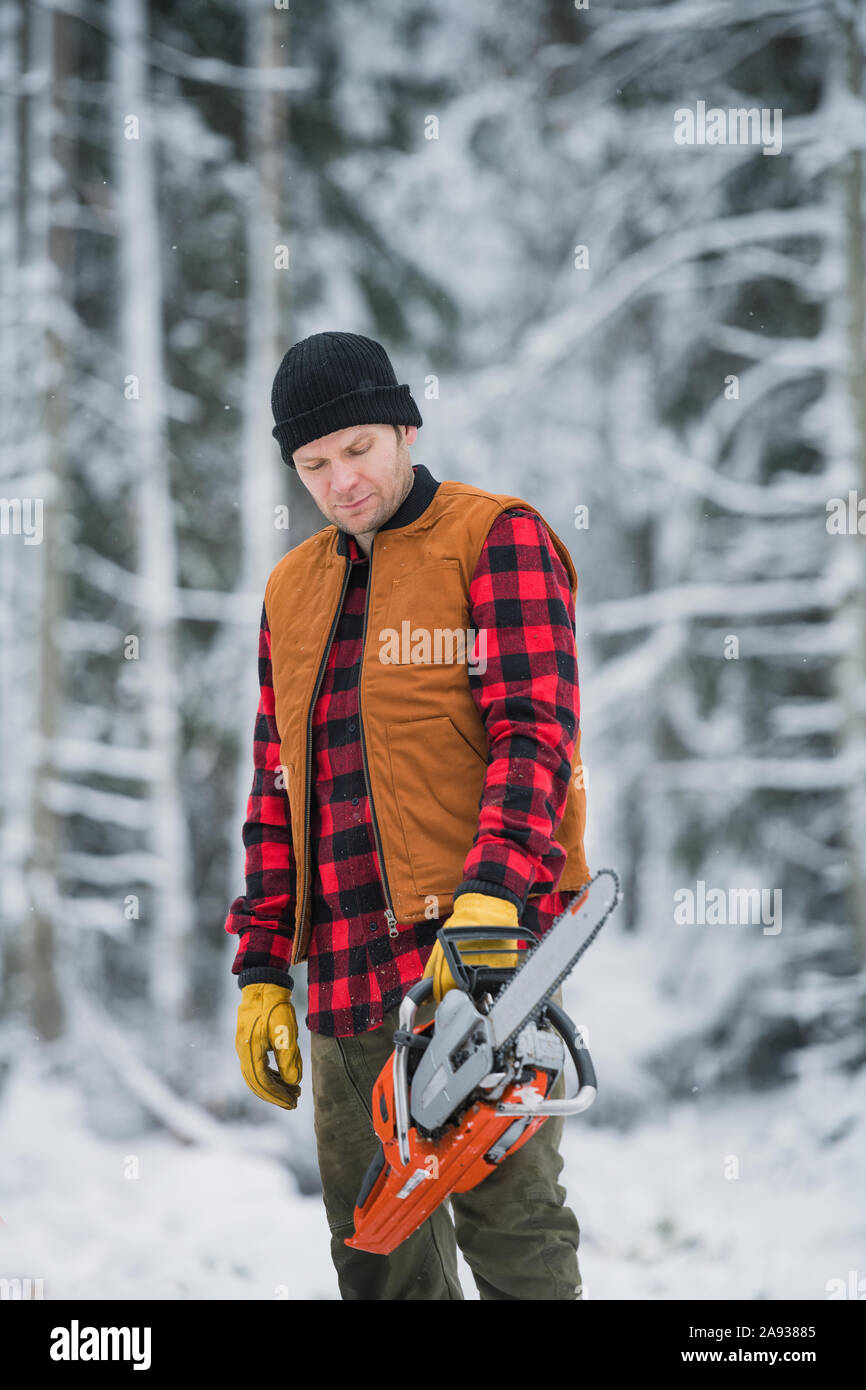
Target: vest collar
point(416, 502)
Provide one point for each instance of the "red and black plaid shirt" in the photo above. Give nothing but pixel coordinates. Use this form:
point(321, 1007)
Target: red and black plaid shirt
point(529, 701)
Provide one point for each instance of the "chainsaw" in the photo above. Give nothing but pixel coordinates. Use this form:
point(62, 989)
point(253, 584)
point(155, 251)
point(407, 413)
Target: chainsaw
point(466, 1089)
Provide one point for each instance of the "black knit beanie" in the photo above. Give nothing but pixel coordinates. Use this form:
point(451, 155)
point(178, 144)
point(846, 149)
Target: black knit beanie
point(330, 381)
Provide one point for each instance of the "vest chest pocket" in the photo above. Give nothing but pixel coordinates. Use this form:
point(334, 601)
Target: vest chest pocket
point(426, 617)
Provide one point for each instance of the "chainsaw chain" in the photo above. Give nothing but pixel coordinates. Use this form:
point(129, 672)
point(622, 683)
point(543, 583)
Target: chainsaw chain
point(535, 1014)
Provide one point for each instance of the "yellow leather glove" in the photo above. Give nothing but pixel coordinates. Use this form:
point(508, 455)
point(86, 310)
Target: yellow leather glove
point(266, 1020)
point(473, 910)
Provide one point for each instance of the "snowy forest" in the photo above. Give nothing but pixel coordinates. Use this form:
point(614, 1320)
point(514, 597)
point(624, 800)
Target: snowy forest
point(610, 297)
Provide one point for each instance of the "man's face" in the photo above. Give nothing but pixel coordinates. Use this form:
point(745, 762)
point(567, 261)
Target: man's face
point(358, 476)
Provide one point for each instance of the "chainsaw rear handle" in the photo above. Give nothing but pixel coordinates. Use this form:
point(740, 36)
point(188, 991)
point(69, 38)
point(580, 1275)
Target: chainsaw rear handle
point(587, 1086)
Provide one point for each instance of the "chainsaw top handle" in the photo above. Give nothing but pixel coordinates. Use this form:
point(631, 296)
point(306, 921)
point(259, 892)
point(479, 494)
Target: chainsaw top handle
point(475, 978)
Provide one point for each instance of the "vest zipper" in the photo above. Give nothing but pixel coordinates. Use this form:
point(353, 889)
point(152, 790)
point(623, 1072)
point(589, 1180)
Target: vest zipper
point(309, 749)
point(390, 915)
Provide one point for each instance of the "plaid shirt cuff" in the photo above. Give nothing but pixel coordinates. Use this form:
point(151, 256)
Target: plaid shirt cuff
point(262, 948)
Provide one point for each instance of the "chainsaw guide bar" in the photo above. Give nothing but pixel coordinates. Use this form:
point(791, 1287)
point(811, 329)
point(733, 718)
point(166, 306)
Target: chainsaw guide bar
point(547, 964)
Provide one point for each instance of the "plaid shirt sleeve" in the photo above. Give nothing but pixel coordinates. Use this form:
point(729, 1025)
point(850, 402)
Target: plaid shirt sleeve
point(529, 701)
point(263, 918)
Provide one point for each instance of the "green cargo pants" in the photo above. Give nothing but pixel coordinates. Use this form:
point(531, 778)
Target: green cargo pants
point(515, 1233)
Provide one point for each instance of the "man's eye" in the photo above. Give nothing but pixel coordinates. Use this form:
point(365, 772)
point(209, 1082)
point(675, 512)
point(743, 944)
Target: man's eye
point(359, 451)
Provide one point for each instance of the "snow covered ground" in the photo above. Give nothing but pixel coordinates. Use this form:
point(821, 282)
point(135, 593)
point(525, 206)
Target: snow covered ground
point(660, 1219)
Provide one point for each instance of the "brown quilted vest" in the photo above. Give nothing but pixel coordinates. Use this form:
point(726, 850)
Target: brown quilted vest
point(424, 744)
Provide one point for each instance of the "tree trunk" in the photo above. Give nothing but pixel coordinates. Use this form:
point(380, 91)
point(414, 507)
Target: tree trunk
point(262, 488)
point(851, 673)
point(45, 272)
point(170, 897)
point(14, 808)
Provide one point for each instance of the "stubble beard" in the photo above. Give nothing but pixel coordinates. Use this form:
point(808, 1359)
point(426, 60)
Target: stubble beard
point(386, 508)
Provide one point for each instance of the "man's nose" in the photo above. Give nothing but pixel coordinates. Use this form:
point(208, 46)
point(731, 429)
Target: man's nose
point(344, 476)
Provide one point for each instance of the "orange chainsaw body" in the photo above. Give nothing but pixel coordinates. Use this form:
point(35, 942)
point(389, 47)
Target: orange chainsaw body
point(402, 1196)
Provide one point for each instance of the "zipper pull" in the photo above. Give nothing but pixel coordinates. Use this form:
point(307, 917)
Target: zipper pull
point(392, 921)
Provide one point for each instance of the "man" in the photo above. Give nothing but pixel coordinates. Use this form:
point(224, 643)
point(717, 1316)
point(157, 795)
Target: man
point(417, 754)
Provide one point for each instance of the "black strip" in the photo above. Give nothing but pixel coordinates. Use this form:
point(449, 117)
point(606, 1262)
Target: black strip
point(370, 1177)
point(490, 890)
point(265, 975)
